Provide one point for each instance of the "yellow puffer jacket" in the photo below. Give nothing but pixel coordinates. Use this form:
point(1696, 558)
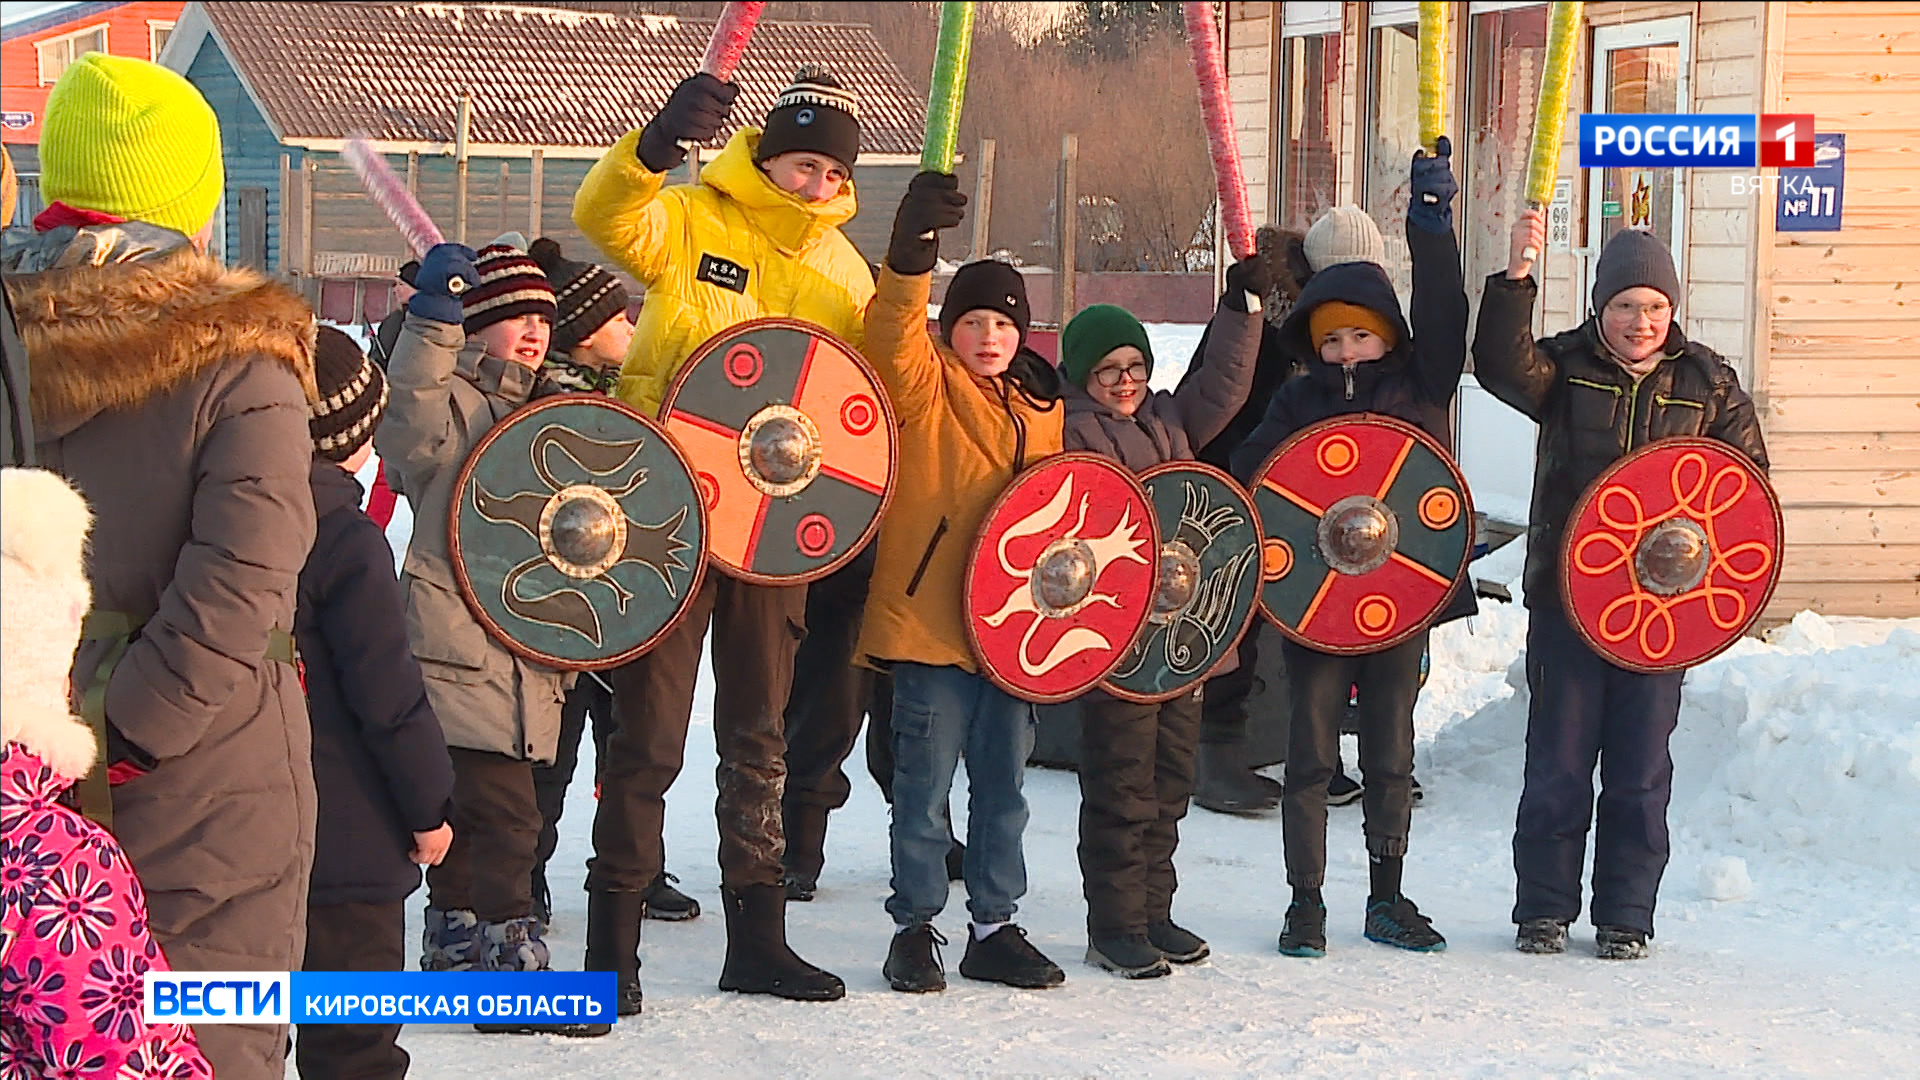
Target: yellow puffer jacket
point(730, 248)
point(962, 440)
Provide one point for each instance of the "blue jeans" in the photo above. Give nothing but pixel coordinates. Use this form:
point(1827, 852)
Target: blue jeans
point(939, 712)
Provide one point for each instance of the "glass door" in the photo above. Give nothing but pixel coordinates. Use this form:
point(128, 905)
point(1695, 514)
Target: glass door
point(1640, 68)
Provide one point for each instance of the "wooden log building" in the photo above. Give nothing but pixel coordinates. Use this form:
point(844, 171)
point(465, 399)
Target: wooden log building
point(1823, 325)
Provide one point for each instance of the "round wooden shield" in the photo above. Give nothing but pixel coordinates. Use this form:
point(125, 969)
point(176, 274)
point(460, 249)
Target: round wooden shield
point(576, 531)
point(1062, 577)
point(1368, 527)
point(1209, 582)
point(1671, 554)
point(793, 441)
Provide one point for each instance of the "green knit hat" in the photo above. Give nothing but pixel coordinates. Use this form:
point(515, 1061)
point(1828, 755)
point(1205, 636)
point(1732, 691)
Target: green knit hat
point(1095, 332)
point(131, 139)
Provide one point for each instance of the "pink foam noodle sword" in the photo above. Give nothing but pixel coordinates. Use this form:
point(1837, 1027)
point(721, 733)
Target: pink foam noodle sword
point(1203, 41)
point(729, 40)
point(392, 197)
point(1549, 120)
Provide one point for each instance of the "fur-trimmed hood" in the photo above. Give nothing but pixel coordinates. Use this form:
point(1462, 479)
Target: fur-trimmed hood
point(114, 332)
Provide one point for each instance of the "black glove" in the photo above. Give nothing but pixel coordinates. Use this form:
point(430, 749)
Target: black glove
point(933, 202)
point(1434, 187)
point(1252, 274)
point(444, 275)
point(694, 113)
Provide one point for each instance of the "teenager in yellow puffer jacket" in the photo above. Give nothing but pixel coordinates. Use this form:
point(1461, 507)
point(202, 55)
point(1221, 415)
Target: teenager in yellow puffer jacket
point(758, 236)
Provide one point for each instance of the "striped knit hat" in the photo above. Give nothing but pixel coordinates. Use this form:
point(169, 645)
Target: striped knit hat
point(353, 394)
point(511, 285)
point(817, 114)
point(585, 295)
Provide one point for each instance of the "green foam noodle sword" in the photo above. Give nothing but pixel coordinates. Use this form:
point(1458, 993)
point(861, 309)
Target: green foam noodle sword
point(1549, 120)
point(949, 87)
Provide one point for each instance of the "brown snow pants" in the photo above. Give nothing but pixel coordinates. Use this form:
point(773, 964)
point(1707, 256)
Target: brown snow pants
point(756, 630)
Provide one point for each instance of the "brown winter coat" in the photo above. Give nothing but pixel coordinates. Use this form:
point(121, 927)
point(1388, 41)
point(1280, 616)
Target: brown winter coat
point(1171, 426)
point(441, 401)
point(173, 393)
point(962, 440)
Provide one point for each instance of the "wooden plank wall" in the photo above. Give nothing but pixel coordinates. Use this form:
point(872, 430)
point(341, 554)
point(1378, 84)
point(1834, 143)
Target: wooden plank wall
point(1250, 87)
point(1843, 384)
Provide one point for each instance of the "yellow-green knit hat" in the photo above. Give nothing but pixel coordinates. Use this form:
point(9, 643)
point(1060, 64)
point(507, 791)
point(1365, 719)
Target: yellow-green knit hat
point(131, 139)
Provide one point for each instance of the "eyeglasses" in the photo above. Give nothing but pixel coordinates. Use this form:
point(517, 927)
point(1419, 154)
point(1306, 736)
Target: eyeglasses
point(1111, 376)
point(1647, 311)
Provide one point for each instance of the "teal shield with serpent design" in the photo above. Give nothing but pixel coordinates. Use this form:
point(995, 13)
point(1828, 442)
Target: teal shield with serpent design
point(578, 533)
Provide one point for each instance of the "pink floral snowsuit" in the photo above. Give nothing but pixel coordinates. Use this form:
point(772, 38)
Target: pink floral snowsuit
point(74, 945)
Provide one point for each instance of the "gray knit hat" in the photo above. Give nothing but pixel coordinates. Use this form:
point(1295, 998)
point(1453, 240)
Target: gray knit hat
point(1634, 257)
point(1344, 234)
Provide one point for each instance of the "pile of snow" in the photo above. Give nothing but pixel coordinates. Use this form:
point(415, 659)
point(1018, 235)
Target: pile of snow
point(1806, 745)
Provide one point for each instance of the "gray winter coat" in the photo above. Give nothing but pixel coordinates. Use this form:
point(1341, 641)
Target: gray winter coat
point(173, 393)
point(442, 398)
point(1171, 426)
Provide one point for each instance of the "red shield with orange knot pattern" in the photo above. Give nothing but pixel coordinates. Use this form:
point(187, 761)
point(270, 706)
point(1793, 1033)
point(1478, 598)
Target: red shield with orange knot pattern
point(1671, 554)
point(792, 441)
point(1368, 526)
point(1062, 577)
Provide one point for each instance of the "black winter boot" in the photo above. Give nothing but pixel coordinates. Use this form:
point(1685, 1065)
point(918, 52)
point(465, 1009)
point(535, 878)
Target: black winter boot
point(758, 959)
point(1224, 784)
point(806, 828)
point(1541, 937)
point(613, 942)
point(1619, 943)
point(1130, 956)
point(1177, 943)
point(668, 904)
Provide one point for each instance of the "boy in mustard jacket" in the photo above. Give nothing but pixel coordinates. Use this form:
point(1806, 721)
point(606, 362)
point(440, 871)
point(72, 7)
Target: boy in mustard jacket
point(975, 409)
point(758, 236)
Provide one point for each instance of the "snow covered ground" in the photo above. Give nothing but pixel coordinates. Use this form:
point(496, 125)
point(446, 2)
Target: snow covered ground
point(1785, 946)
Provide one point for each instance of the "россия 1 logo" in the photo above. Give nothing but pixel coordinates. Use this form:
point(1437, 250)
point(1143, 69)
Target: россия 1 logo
point(1695, 140)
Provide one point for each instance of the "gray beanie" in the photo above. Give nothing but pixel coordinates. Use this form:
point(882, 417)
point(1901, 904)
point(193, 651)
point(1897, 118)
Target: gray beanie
point(1634, 257)
point(1344, 234)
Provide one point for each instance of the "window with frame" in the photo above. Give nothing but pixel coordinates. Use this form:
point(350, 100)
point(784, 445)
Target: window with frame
point(157, 35)
point(1310, 89)
point(56, 55)
point(1393, 130)
point(1507, 52)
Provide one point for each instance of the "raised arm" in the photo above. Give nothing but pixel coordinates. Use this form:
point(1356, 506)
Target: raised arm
point(416, 438)
point(619, 207)
point(1213, 391)
point(896, 330)
point(1506, 362)
point(1439, 291)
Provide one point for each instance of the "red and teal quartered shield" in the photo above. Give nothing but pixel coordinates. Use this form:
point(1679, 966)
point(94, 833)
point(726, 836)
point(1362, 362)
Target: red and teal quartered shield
point(1671, 554)
point(1209, 582)
point(1062, 577)
point(792, 442)
point(576, 532)
point(1368, 528)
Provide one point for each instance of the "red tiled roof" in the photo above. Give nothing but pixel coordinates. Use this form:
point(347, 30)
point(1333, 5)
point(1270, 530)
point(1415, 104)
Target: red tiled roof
point(538, 76)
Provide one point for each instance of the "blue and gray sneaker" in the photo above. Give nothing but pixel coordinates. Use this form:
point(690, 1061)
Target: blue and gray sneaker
point(1398, 923)
point(451, 941)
